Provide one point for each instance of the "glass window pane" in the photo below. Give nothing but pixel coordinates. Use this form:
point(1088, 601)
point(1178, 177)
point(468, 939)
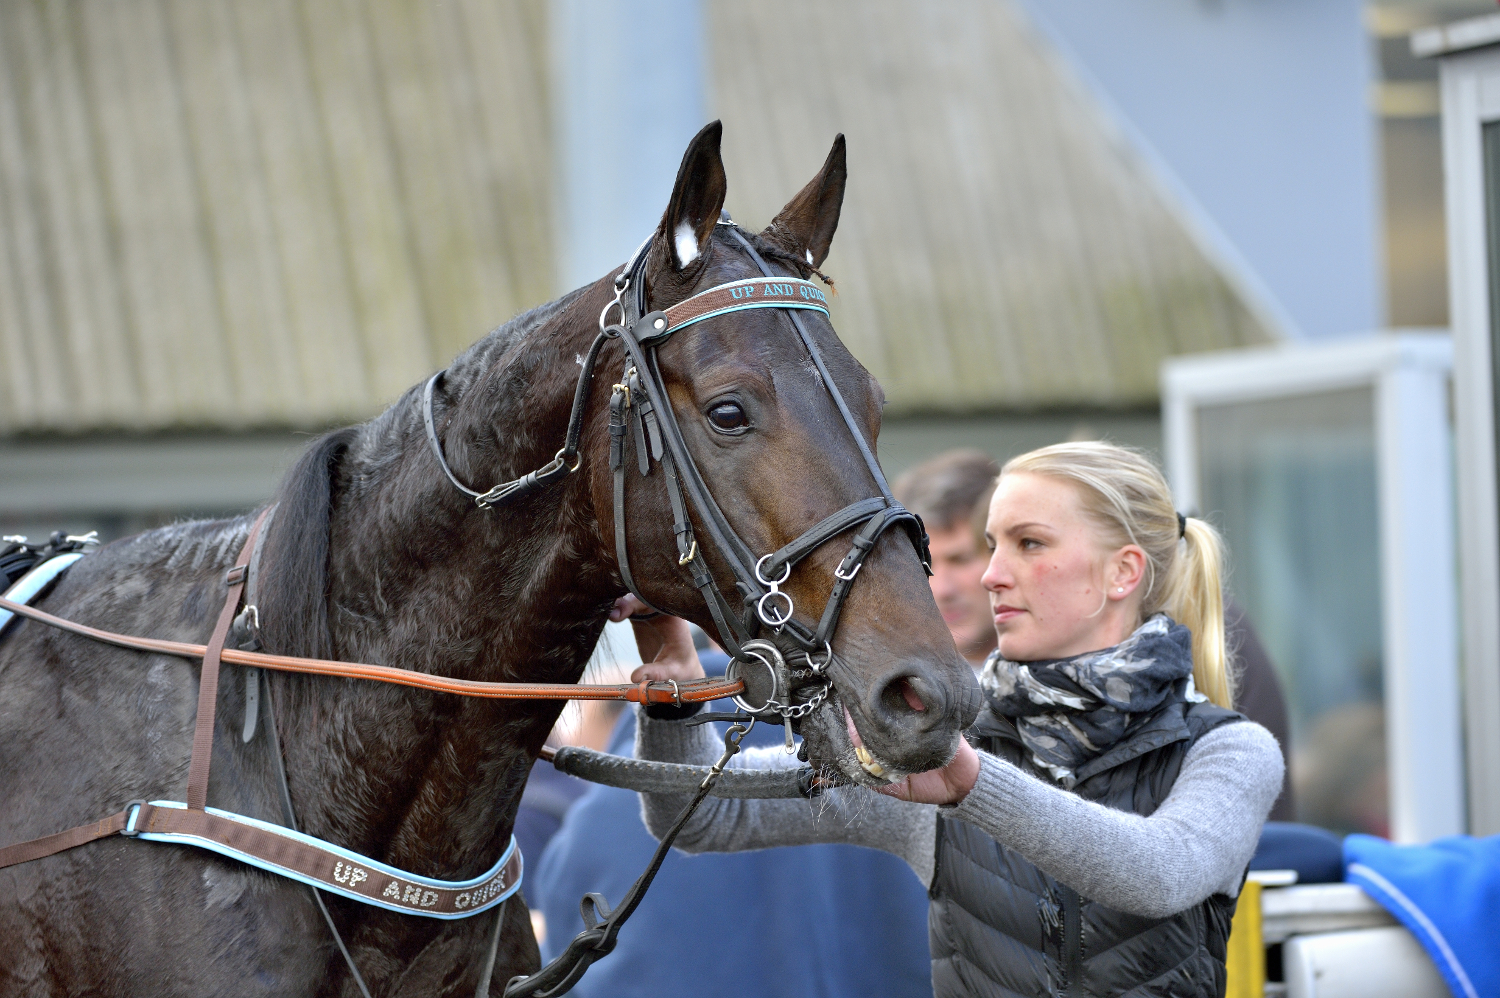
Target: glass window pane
point(1491, 144)
point(1292, 484)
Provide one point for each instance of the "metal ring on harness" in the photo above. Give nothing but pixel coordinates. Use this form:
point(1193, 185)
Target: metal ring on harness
point(818, 667)
point(758, 652)
point(770, 617)
point(616, 303)
point(773, 583)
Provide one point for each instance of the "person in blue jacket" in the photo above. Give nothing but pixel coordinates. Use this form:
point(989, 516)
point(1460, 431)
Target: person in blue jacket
point(829, 920)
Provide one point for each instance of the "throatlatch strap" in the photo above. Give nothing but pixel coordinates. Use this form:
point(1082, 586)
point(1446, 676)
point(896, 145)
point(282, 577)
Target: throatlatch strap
point(208, 683)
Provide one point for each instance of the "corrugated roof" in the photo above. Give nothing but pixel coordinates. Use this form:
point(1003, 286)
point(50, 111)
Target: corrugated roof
point(227, 214)
point(1000, 247)
point(221, 215)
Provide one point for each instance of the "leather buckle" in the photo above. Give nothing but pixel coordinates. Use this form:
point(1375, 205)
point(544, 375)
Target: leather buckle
point(132, 818)
point(237, 574)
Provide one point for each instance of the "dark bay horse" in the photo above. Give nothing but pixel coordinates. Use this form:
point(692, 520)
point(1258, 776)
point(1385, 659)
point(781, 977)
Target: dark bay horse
point(373, 556)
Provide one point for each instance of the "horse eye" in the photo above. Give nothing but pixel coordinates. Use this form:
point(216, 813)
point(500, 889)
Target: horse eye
point(727, 416)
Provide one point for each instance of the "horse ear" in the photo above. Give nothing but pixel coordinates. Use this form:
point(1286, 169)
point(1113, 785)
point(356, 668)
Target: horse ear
point(697, 197)
point(807, 223)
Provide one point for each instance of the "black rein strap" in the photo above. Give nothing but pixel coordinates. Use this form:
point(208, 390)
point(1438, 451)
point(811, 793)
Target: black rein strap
point(563, 463)
point(602, 923)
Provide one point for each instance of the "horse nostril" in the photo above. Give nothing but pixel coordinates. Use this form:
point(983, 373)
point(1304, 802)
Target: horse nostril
point(901, 693)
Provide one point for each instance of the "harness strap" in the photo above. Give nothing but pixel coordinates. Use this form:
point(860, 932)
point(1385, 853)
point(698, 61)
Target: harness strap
point(290, 854)
point(328, 867)
point(828, 382)
point(696, 691)
point(37, 578)
point(721, 532)
point(823, 531)
point(47, 845)
point(864, 542)
point(208, 682)
point(618, 403)
point(563, 463)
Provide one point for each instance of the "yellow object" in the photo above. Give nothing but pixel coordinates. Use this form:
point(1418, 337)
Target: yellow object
point(1247, 950)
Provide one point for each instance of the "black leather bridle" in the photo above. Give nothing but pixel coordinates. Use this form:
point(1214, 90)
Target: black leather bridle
point(640, 409)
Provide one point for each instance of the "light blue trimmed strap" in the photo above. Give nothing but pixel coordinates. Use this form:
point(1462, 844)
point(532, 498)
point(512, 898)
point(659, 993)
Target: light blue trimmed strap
point(34, 581)
point(376, 867)
point(812, 296)
point(749, 305)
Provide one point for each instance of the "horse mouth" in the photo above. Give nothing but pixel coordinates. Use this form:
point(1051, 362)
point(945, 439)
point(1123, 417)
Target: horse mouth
point(866, 759)
point(834, 738)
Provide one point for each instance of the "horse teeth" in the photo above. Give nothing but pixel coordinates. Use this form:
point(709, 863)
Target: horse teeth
point(873, 768)
point(863, 755)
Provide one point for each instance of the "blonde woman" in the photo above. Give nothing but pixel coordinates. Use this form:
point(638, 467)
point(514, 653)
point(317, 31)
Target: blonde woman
point(1092, 832)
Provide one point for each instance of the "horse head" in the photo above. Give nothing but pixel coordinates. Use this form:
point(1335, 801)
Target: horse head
point(775, 449)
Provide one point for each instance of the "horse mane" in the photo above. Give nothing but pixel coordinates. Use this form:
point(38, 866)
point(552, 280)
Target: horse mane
point(294, 562)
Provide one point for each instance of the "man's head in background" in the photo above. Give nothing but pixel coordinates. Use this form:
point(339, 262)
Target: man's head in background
point(944, 492)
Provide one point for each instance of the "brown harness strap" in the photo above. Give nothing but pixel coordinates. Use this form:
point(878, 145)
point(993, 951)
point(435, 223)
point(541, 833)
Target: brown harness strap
point(266, 845)
point(335, 870)
point(330, 867)
point(765, 292)
point(695, 691)
point(208, 683)
point(25, 852)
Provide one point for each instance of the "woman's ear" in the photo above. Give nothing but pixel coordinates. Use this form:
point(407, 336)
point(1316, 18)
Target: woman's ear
point(1124, 572)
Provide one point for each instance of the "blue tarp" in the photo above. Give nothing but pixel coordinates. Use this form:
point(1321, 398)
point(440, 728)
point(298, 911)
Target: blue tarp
point(1448, 894)
point(781, 923)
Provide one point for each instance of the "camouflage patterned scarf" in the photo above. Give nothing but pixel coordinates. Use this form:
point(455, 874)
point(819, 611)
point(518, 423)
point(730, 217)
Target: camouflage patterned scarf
point(1071, 710)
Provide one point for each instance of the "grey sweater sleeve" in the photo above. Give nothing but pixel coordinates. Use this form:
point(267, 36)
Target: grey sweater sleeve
point(1196, 844)
point(849, 815)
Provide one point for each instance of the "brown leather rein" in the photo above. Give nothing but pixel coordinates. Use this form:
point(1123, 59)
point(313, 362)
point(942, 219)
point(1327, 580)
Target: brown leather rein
point(697, 691)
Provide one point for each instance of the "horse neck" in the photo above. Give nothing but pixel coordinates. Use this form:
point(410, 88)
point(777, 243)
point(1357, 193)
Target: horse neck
point(422, 579)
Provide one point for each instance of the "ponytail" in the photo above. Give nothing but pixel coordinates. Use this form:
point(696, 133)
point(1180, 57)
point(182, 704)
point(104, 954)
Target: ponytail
point(1127, 497)
point(1194, 597)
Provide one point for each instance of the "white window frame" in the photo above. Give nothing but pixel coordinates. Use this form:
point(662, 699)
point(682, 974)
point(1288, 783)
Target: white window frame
point(1409, 373)
point(1470, 75)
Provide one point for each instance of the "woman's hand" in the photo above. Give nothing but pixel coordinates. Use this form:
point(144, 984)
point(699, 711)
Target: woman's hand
point(665, 643)
point(948, 785)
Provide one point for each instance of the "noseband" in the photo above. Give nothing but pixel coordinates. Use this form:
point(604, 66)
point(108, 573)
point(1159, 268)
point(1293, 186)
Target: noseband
point(640, 409)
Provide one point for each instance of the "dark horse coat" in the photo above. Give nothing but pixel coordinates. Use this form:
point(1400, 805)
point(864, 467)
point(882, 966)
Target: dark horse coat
point(373, 556)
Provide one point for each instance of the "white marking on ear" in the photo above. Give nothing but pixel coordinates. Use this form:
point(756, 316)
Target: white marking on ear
point(687, 244)
point(809, 257)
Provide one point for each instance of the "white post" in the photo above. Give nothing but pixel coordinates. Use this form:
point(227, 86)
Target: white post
point(1471, 95)
point(1424, 736)
point(1179, 441)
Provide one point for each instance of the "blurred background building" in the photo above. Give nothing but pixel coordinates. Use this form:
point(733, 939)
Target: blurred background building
point(225, 227)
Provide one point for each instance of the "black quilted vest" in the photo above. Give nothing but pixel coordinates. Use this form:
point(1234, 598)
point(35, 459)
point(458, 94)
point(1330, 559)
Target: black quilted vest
point(1001, 927)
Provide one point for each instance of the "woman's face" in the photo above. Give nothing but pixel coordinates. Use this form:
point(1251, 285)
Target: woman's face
point(1055, 588)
